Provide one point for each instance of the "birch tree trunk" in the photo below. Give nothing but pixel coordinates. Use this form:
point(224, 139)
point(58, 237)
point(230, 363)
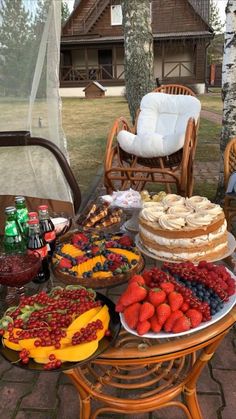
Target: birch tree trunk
point(138, 48)
point(228, 89)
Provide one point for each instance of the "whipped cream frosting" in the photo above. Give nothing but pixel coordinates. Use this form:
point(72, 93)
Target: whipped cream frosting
point(180, 210)
point(197, 202)
point(173, 199)
point(198, 219)
point(181, 242)
point(171, 222)
point(152, 213)
point(185, 256)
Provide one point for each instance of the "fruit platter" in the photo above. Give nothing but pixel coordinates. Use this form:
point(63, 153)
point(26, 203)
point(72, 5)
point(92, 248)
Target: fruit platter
point(179, 299)
point(96, 260)
point(56, 330)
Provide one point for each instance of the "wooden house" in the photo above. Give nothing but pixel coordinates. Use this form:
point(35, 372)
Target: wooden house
point(92, 43)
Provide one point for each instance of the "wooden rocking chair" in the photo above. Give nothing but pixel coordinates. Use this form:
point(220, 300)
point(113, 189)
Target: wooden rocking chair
point(124, 170)
point(229, 168)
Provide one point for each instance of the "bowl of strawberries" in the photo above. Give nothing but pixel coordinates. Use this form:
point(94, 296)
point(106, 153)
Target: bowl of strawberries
point(177, 299)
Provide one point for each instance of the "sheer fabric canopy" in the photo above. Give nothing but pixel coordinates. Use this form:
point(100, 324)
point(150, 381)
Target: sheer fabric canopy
point(29, 97)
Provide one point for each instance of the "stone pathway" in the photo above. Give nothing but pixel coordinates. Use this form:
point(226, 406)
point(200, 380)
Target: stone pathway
point(50, 395)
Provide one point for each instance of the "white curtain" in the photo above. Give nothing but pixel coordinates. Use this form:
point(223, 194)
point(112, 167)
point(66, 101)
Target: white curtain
point(29, 96)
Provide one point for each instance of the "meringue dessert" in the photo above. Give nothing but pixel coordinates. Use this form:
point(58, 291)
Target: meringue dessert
point(184, 229)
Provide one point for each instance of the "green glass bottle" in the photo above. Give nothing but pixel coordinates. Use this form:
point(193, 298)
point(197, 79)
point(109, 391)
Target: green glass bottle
point(22, 215)
point(13, 241)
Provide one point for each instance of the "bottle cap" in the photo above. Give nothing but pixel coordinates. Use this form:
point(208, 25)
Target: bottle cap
point(33, 214)
point(10, 210)
point(33, 222)
point(19, 199)
point(43, 207)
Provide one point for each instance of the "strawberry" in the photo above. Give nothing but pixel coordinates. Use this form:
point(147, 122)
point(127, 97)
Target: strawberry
point(133, 294)
point(94, 250)
point(163, 312)
point(156, 296)
point(167, 287)
point(175, 300)
point(119, 306)
point(147, 276)
point(131, 315)
point(125, 241)
point(81, 259)
point(184, 307)
point(143, 327)
point(65, 263)
point(137, 278)
point(155, 325)
point(146, 312)
point(195, 317)
point(172, 319)
point(79, 237)
point(181, 325)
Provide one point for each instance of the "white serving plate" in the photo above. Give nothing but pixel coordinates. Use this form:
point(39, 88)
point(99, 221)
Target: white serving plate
point(163, 335)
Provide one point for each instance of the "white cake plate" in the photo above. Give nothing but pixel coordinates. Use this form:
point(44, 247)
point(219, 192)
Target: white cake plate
point(231, 248)
point(163, 335)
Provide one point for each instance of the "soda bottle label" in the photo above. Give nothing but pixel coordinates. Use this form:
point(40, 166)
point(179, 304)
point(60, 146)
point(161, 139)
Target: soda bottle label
point(43, 251)
point(50, 236)
point(11, 230)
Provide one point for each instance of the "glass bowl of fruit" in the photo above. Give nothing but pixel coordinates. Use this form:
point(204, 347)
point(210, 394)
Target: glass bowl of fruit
point(18, 269)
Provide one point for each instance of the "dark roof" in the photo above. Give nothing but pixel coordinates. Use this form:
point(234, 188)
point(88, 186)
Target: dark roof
point(158, 36)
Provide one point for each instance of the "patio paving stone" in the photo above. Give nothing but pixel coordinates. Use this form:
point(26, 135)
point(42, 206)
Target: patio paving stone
point(68, 402)
point(10, 396)
point(29, 414)
point(44, 394)
point(227, 380)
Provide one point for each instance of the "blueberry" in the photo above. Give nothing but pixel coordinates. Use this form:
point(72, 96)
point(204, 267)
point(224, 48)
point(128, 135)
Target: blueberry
point(98, 264)
point(89, 274)
point(95, 269)
point(134, 262)
point(84, 275)
point(188, 283)
point(213, 311)
point(64, 269)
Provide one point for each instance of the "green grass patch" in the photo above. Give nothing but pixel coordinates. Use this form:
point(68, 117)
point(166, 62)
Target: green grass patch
point(212, 102)
point(208, 146)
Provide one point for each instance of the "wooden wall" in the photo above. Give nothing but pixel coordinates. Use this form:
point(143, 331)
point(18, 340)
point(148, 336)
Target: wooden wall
point(167, 16)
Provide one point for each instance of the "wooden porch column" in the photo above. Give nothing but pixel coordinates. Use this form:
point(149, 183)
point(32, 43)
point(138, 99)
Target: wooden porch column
point(162, 61)
point(86, 62)
point(114, 61)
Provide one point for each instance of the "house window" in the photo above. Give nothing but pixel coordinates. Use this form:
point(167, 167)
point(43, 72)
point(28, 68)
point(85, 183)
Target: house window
point(116, 15)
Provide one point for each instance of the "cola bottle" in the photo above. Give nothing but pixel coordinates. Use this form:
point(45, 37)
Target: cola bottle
point(37, 244)
point(47, 228)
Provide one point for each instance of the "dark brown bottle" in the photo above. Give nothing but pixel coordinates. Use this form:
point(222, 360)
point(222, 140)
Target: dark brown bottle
point(37, 244)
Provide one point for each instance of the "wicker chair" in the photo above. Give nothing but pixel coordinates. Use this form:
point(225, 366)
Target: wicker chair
point(229, 168)
point(124, 170)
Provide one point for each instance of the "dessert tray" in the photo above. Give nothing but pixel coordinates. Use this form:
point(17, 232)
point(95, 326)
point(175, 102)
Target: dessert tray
point(13, 357)
point(231, 248)
point(96, 260)
point(101, 217)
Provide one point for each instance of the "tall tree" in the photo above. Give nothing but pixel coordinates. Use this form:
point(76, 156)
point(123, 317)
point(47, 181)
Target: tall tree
point(214, 52)
point(138, 47)
point(15, 36)
point(228, 88)
point(214, 18)
point(65, 12)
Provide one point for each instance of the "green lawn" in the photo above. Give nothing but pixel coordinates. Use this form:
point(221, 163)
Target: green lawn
point(212, 102)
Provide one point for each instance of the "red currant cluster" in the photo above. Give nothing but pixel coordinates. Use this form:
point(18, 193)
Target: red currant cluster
point(88, 333)
point(24, 356)
point(53, 363)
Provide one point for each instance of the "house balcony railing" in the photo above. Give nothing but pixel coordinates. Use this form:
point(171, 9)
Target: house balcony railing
point(101, 72)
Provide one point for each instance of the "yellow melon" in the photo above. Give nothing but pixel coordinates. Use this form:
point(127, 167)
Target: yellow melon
point(76, 353)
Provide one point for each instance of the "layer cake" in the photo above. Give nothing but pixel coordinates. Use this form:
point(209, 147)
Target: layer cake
point(180, 229)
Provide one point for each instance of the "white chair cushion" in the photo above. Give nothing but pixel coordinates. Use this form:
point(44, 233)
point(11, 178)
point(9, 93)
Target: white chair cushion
point(161, 125)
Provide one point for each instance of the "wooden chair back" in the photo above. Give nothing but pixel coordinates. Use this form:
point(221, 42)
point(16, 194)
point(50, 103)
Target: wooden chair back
point(174, 89)
point(229, 160)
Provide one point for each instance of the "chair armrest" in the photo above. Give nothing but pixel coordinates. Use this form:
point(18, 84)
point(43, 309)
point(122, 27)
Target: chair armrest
point(118, 125)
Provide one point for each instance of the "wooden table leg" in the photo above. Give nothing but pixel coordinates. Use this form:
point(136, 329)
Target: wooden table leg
point(85, 401)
